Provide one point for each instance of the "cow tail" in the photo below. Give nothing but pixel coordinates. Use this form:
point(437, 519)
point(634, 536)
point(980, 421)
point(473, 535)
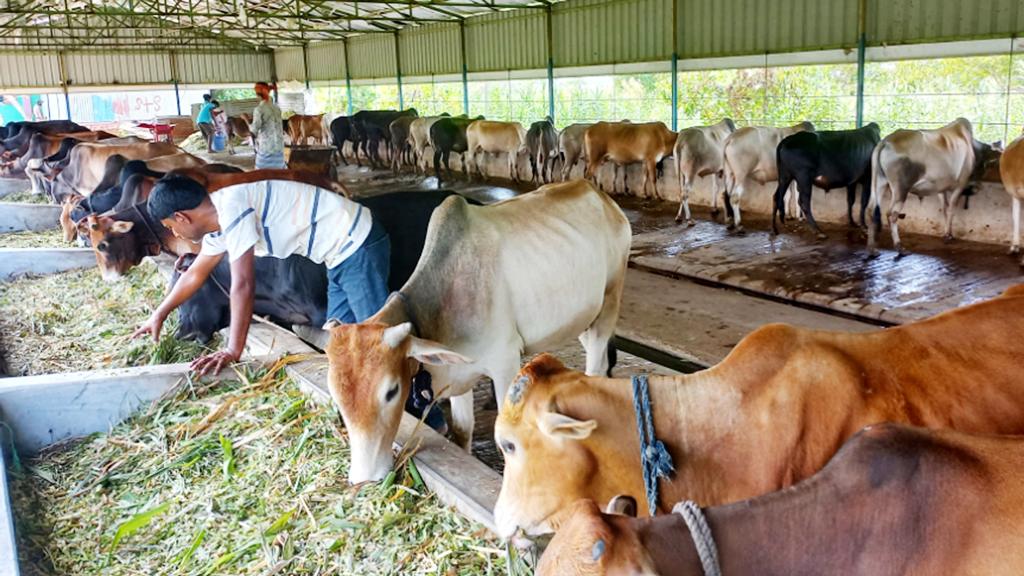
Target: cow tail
point(876, 200)
point(730, 177)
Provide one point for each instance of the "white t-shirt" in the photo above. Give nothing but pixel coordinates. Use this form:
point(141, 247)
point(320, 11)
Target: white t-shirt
point(280, 218)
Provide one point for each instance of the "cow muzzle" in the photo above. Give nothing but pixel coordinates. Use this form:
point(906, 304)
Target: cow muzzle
point(371, 459)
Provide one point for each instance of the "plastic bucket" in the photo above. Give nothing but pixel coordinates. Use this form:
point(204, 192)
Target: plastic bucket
point(219, 142)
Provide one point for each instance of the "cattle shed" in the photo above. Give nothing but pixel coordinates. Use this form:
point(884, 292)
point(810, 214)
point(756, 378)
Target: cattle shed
point(116, 458)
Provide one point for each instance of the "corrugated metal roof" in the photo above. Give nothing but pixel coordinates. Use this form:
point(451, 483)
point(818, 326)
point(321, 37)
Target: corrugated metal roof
point(912, 21)
point(107, 68)
point(29, 70)
point(372, 56)
point(430, 50)
point(506, 41)
point(590, 32)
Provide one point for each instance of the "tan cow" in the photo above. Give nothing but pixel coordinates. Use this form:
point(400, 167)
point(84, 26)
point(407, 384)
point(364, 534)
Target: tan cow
point(944, 161)
point(488, 288)
point(698, 153)
point(1011, 169)
point(624, 143)
point(301, 127)
point(895, 500)
point(769, 415)
point(43, 146)
point(88, 160)
point(490, 136)
point(749, 156)
point(571, 147)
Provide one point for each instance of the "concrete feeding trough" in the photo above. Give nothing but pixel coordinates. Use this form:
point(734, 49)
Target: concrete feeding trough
point(17, 217)
point(16, 262)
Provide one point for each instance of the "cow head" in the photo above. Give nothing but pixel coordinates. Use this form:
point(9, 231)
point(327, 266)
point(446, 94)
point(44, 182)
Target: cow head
point(371, 369)
point(536, 434)
point(590, 543)
point(68, 223)
point(117, 246)
point(986, 160)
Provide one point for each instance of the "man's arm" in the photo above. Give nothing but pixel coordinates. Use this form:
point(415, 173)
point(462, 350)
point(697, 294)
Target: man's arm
point(243, 288)
point(257, 120)
point(187, 285)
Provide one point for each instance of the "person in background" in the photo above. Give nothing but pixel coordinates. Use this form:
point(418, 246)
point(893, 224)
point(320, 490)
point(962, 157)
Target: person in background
point(220, 123)
point(267, 130)
point(37, 111)
point(205, 121)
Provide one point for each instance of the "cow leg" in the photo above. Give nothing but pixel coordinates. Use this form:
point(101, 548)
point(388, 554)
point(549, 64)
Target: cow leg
point(463, 418)
point(566, 168)
point(949, 203)
point(715, 192)
point(685, 187)
point(896, 200)
point(1015, 239)
point(595, 339)
point(804, 189)
point(733, 203)
point(778, 201)
point(513, 166)
point(851, 198)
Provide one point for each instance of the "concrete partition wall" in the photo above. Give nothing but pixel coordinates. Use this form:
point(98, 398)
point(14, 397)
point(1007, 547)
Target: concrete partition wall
point(15, 217)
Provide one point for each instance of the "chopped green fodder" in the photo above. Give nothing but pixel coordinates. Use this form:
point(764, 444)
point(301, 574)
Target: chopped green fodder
point(42, 239)
point(26, 196)
point(76, 321)
point(239, 477)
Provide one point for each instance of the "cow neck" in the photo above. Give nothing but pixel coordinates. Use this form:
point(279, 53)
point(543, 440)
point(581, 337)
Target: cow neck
point(692, 418)
point(403, 307)
point(144, 217)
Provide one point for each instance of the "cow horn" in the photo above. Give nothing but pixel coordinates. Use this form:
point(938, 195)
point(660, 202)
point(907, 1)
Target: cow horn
point(395, 335)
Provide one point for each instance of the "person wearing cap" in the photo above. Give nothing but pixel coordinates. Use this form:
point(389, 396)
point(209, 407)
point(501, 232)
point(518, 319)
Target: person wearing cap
point(270, 218)
point(267, 130)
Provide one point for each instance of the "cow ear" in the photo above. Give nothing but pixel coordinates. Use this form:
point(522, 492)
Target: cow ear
point(394, 336)
point(623, 504)
point(430, 352)
point(331, 324)
point(561, 426)
point(121, 226)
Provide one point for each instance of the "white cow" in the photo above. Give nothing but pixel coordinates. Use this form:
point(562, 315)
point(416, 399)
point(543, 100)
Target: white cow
point(749, 155)
point(419, 133)
point(493, 283)
point(571, 147)
point(698, 153)
point(490, 136)
point(925, 162)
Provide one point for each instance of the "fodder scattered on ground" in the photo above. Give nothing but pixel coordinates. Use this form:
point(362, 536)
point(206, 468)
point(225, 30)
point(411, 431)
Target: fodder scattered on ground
point(240, 477)
point(42, 239)
point(76, 321)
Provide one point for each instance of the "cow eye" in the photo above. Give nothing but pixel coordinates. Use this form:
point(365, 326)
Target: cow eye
point(508, 448)
point(103, 246)
point(391, 393)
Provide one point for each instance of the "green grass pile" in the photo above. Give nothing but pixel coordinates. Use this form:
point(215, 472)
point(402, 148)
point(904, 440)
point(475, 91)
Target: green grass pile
point(241, 477)
point(43, 239)
point(76, 321)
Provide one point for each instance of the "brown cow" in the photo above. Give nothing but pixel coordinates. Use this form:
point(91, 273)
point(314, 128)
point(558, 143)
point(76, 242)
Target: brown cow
point(1011, 169)
point(88, 161)
point(301, 127)
point(895, 500)
point(43, 146)
point(491, 136)
point(944, 161)
point(769, 415)
point(238, 127)
point(624, 143)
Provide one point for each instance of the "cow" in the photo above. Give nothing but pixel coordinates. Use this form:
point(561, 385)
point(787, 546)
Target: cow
point(827, 159)
point(19, 133)
point(372, 127)
point(238, 127)
point(945, 161)
point(294, 290)
point(87, 162)
point(487, 288)
point(448, 135)
point(341, 132)
point(1011, 171)
point(698, 153)
point(624, 143)
point(769, 415)
point(894, 500)
point(749, 155)
point(419, 133)
point(302, 127)
point(571, 147)
point(490, 136)
point(542, 146)
point(43, 146)
point(401, 145)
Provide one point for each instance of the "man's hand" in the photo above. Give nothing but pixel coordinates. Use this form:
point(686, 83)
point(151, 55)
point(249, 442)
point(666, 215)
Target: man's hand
point(213, 363)
point(152, 326)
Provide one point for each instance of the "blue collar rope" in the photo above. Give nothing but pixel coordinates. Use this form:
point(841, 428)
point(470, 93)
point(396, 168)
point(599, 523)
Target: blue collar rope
point(654, 457)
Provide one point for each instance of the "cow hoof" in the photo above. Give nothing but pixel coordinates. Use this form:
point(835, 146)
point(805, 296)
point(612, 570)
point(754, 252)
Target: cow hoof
point(679, 219)
point(821, 236)
point(947, 239)
point(1014, 250)
point(872, 253)
point(741, 230)
point(690, 223)
point(730, 226)
point(900, 252)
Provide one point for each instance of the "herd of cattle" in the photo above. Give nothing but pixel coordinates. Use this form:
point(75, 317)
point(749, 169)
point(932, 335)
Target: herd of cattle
point(811, 452)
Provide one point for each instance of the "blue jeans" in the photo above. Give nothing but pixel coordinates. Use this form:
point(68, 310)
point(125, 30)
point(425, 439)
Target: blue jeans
point(358, 287)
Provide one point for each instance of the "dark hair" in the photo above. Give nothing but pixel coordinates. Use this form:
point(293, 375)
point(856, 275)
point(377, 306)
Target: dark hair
point(206, 97)
point(215, 103)
point(174, 194)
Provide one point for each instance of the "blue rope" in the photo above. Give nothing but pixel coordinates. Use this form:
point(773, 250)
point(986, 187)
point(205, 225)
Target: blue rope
point(654, 457)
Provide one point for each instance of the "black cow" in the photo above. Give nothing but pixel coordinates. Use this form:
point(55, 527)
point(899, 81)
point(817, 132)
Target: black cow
point(542, 142)
point(294, 290)
point(448, 135)
point(371, 127)
point(827, 159)
point(341, 132)
point(401, 147)
point(18, 134)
